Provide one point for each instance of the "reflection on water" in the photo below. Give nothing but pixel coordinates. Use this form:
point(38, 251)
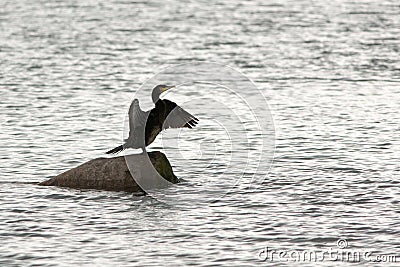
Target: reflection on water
point(329, 70)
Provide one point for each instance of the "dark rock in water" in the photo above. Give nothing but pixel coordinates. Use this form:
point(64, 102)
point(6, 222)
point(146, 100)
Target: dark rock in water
point(110, 174)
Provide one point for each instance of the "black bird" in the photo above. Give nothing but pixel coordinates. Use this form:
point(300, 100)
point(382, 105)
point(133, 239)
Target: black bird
point(166, 114)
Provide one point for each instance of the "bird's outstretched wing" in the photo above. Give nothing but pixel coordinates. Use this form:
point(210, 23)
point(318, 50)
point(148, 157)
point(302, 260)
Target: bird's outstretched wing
point(177, 117)
point(137, 117)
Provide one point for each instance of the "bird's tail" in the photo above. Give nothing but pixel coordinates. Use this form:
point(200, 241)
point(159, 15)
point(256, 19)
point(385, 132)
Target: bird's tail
point(116, 150)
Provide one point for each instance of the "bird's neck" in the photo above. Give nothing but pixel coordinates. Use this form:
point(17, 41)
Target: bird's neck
point(155, 95)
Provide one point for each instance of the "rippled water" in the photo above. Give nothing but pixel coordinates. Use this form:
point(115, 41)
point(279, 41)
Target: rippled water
point(329, 69)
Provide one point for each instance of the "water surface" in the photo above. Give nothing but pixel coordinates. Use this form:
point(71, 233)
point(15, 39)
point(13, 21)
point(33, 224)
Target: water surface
point(331, 74)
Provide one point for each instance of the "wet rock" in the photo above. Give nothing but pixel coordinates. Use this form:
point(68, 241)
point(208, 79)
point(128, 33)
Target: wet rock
point(110, 174)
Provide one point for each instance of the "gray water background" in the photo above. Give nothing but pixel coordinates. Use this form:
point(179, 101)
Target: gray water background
point(330, 71)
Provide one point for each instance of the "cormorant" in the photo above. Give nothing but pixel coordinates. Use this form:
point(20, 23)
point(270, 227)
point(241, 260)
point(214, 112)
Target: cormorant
point(166, 114)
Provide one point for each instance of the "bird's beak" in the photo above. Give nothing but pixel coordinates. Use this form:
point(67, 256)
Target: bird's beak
point(167, 88)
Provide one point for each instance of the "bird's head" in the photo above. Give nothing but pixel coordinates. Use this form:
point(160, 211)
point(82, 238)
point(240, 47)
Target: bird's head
point(162, 87)
point(158, 90)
